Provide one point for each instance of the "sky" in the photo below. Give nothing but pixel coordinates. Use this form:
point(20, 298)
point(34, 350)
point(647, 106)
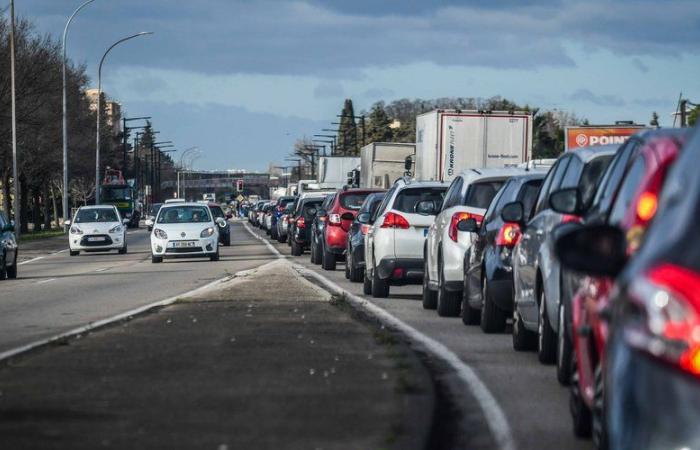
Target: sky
point(243, 80)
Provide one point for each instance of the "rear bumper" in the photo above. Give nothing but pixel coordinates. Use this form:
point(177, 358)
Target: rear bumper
point(499, 275)
point(401, 270)
point(336, 239)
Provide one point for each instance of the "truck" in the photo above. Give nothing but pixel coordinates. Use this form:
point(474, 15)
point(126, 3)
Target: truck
point(115, 190)
point(591, 135)
point(449, 141)
point(382, 163)
point(333, 170)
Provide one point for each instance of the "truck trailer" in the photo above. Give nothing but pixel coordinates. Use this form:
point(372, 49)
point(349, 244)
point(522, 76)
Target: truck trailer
point(333, 170)
point(382, 163)
point(449, 141)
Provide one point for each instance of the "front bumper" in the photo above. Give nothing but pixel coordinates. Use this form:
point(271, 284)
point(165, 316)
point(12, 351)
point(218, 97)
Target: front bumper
point(201, 247)
point(85, 242)
point(401, 270)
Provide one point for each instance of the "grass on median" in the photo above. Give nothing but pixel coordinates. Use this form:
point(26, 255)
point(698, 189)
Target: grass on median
point(32, 236)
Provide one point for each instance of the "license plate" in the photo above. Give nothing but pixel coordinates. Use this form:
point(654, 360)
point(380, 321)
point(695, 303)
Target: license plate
point(183, 244)
point(96, 239)
point(425, 232)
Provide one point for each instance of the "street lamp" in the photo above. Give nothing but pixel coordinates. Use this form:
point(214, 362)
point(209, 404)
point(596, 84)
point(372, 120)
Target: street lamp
point(65, 117)
point(99, 107)
point(182, 156)
point(15, 178)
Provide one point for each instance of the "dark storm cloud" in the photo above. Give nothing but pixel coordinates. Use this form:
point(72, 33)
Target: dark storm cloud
point(321, 37)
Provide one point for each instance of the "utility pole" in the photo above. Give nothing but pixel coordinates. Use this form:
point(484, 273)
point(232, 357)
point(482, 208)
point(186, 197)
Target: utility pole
point(684, 113)
point(15, 176)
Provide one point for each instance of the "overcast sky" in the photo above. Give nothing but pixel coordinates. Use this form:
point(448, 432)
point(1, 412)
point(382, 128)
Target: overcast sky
point(244, 79)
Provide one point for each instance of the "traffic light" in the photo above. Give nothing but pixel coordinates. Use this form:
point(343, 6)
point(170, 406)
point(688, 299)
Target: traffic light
point(239, 185)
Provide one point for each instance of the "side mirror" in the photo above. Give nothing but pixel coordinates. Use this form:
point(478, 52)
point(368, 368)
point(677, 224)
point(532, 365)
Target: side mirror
point(149, 222)
point(513, 212)
point(363, 218)
point(319, 212)
point(592, 249)
point(67, 222)
point(468, 225)
point(425, 208)
point(125, 221)
point(565, 201)
point(347, 216)
point(220, 222)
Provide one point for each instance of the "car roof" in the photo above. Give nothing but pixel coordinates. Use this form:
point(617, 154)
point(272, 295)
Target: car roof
point(476, 174)
point(588, 153)
point(180, 204)
point(415, 184)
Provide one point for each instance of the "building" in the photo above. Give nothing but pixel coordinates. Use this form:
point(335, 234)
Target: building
point(113, 109)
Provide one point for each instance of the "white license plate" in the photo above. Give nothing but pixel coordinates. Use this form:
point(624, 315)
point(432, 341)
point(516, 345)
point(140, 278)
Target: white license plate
point(183, 244)
point(96, 239)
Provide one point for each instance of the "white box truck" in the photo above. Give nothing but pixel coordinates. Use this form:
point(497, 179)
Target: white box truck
point(333, 170)
point(449, 141)
point(382, 163)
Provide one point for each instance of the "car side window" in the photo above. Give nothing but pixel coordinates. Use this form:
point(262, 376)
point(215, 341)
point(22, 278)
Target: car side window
point(627, 190)
point(498, 200)
point(385, 203)
point(453, 195)
point(613, 176)
point(550, 184)
point(572, 174)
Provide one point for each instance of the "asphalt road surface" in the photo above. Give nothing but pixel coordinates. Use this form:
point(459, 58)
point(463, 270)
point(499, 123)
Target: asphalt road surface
point(535, 405)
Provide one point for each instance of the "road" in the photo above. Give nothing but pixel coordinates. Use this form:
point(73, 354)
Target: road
point(536, 407)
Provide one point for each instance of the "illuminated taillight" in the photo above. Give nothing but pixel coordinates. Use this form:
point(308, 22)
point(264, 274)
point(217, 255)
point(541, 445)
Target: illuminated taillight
point(456, 217)
point(570, 218)
point(364, 229)
point(669, 298)
point(646, 206)
point(393, 220)
point(301, 223)
point(509, 235)
point(334, 219)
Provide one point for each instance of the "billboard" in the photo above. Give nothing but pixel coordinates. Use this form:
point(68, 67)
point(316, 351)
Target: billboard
point(585, 136)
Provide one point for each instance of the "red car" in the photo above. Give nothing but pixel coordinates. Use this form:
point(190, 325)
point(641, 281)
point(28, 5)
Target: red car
point(339, 217)
point(632, 211)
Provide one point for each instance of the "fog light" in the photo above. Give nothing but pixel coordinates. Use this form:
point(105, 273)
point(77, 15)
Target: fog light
point(209, 247)
point(159, 249)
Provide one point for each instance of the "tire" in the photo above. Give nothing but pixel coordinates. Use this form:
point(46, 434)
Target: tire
point(296, 248)
point(366, 284)
point(355, 272)
point(564, 350)
point(598, 429)
point(227, 240)
point(12, 270)
point(470, 316)
point(3, 267)
point(74, 252)
point(215, 256)
point(123, 250)
point(429, 297)
point(156, 259)
point(273, 233)
point(314, 255)
point(448, 302)
point(581, 418)
point(281, 239)
point(493, 318)
point(327, 260)
point(523, 339)
point(348, 262)
point(546, 337)
point(380, 288)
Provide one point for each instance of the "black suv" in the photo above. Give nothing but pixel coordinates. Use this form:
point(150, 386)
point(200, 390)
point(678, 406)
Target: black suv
point(8, 249)
point(300, 233)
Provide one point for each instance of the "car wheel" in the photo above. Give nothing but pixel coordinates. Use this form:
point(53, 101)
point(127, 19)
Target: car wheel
point(523, 339)
point(281, 238)
point(448, 302)
point(156, 259)
point(546, 337)
point(12, 270)
point(313, 254)
point(599, 431)
point(273, 233)
point(123, 250)
point(429, 297)
point(580, 413)
point(355, 272)
point(327, 259)
point(215, 256)
point(3, 267)
point(470, 316)
point(493, 318)
point(150, 229)
point(366, 284)
point(348, 262)
point(74, 252)
point(296, 248)
point(227, 240)
point(564, 350)
point(380, 288)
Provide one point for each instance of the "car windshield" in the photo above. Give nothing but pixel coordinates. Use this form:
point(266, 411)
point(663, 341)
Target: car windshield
point(94, 215)
point(155, 208)
point(353, 200)
point(479, 195)
point(184, 214)
point(216, 211)
point(113, 194)
point(407, 199)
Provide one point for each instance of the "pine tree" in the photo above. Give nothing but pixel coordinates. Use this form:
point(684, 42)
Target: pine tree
point(347, 131)
point(378, 125)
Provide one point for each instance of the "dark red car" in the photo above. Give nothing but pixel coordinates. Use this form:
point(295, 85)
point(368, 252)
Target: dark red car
point(339, 217)
point(633, 209)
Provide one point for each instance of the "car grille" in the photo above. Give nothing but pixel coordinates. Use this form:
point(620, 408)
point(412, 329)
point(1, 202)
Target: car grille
point(184, 250)
point(86, 243)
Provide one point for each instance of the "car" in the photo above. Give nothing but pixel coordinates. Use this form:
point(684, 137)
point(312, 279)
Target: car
point(632, 211)
point(277, 211)
point(536, 272)
point(268, 211)
point(97, 229)
point(304, 214)
point(317, 226)
point(224, 231)
point(186, 229)
point(283, 222)
point(468, 196)
point(255, 212)
point(394, 243)
point(8, 249)
point(487, 294)
point(340, 212)
point(151, 215)
point(355, 252)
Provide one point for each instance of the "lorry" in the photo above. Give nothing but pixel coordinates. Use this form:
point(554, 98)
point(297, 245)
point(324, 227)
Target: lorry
point(115, 190)
point(333, 170)
point(382, 163)
point(449, 141)
point(590, 135)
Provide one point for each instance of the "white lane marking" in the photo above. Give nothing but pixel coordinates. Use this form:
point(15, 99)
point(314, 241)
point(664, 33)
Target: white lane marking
point(41, 257)
point(121, 316)
point(45, 281)
point(494, 415)
point(102, 269)
point(265, 241)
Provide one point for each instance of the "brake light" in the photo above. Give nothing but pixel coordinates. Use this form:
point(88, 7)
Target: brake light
point(456, 217)
point(280, 208)
point(301, 223)
point(669, 297)
point(393, 220)
point(570, 218)
point(364, 229)
point(334, 219)
point(646, 206)
point(509, 235)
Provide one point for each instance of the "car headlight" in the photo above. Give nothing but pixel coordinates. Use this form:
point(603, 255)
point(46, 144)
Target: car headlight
point(75, 230)
point(115, 229)
point(206, 232)
point(160, 234)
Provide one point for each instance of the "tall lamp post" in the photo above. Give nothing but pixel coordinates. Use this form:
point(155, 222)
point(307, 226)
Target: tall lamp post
point(182, 157)
point(99, 109)
point(15, 176)
point(65, 116)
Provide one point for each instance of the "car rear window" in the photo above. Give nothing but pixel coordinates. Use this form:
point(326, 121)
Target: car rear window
point(408, 198)
point(479, 195)
point(313, 204)
point(353, 200)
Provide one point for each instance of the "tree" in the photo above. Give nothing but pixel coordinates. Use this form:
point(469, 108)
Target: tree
point(378, 125)
point(347, 131)
point(654, 122)
point(693, 116)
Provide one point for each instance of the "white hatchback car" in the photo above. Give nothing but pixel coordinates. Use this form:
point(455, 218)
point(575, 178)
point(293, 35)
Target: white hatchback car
point(96, 229)
point(395, 239)
point(468, 197)
point(185, 229)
